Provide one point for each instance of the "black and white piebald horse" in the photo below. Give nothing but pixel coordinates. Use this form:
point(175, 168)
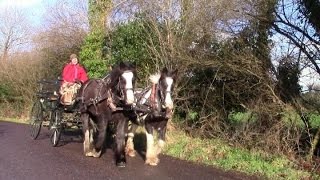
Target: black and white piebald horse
point(103, 101)
point(154, 107)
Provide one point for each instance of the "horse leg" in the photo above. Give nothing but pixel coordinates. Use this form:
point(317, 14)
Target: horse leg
point(130, 145)
point(87, 131)
point(100, 135)
point(122, 129)
point(161, 141)
point(151, 155)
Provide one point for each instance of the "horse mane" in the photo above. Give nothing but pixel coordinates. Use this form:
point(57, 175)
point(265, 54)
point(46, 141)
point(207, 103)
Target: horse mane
point(114, 76)
point(154, 78)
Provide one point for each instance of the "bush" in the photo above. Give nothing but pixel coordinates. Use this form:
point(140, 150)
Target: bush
point(18, 79)
point(131, 42)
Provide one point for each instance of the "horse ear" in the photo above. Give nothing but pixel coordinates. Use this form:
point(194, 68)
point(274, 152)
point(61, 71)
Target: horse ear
point(175, 73)
point(122, 65)
point(134, 65)
point(164, 70)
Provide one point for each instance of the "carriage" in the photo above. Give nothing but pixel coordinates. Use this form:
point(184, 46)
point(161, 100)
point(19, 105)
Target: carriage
point(48, 112)
point(109, 101)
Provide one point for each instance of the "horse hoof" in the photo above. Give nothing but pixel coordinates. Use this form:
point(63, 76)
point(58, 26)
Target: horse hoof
point(121, 164)
point(153, 164)
point(96, 154)
point(89, 154)
point(131, 153)
point(152, 161)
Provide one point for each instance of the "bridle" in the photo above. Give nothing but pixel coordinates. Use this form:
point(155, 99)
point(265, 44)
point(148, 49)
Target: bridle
point(159, 96)
point(163, 94)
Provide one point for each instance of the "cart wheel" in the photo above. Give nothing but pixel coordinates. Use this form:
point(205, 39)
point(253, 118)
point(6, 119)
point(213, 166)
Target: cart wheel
point(35, 119)
point(55, 128)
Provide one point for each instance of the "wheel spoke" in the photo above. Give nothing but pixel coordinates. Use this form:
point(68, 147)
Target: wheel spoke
point(56, 127)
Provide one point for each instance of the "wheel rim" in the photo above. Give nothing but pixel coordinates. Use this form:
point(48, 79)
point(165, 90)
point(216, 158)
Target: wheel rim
point(35, 129)
point(35, 120)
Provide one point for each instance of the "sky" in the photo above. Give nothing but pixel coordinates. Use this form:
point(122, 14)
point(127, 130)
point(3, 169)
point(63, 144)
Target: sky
point(24, 3)
point(34, 9)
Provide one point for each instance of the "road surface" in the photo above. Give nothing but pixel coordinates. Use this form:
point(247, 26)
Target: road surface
point(22, 158)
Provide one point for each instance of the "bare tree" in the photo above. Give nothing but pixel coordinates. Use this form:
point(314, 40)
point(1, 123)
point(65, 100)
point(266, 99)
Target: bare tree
point(14, 31)
point(202, 19)
point(64, 29)
point(300, 36)
point(68, 20)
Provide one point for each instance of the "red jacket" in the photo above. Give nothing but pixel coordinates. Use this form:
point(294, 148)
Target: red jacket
point(73, 72)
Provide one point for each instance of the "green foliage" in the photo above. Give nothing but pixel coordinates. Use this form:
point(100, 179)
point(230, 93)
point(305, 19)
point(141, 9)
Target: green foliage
point(193, 115)
point(288, 116)
point(315, 120)
point(270, 166)
point(98, 10)
point(291, 117)
point(230, 81)
point(241, 117)
point(288, 79)
point(310, 9)
point(129, 42)
point(91, 54)
point(4, 90)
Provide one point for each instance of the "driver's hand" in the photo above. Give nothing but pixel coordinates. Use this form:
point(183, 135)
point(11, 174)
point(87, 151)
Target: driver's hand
point(78, 81)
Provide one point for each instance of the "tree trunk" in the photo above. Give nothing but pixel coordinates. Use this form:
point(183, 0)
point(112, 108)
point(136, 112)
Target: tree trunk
point(92, 52)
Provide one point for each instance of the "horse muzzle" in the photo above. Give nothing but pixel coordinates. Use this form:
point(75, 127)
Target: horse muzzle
point(169, 113)
point(129, 97)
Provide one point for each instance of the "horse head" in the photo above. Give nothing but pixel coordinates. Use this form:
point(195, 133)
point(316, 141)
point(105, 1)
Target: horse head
point(165, 87)
point(162, 89)
point(122, 83)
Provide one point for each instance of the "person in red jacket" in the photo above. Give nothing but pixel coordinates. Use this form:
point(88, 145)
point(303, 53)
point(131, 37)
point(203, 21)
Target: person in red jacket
point(73, 71)
point(73, 75)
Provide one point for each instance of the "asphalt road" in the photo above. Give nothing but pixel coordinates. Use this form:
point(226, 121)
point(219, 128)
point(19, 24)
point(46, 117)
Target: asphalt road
point(22, 158)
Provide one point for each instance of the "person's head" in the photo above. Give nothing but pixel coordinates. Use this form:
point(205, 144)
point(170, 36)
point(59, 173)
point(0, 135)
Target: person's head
point(74, 59)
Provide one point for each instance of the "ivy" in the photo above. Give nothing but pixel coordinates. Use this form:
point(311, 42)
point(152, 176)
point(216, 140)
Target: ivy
point(92, 56)
point(92, 52)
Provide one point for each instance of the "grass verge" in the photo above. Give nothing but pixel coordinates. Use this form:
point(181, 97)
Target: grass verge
point(15, 120)
point(220, 154)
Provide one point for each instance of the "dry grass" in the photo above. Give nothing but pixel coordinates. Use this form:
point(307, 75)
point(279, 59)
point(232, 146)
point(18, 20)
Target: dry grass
point(18, 85)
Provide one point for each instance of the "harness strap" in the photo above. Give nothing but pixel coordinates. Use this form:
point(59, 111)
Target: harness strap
point(110, 103)
point(151, 107)
point(153, 96)
point(100, 96)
